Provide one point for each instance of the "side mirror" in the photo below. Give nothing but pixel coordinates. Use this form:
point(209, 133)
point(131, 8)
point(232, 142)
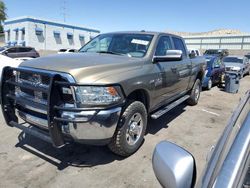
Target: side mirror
point(171, 55)
point(173, 166)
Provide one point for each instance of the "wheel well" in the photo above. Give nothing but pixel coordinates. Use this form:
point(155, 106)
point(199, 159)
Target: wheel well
point(200, 76)
point(140, 95)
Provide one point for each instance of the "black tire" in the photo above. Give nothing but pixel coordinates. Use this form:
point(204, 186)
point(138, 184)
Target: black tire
point(195, 93)
point(120, 141)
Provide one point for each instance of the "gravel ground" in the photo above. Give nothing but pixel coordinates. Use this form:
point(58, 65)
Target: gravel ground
point(30, 162)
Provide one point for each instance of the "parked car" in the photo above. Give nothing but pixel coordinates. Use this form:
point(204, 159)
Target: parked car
point(105, 93)
point(238, 64)
point(214, 73)
point(196, 52)
point(220, 52)
point(19, 52)
point(62, 51)
point(7, 61)
point(228, 162)
point(248, 56)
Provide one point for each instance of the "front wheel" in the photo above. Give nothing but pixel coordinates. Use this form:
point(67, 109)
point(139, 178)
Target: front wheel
point(209, 84)
point(195, 93)
point(130, 130)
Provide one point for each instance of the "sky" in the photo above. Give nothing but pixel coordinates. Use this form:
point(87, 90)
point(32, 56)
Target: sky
point(149, 15)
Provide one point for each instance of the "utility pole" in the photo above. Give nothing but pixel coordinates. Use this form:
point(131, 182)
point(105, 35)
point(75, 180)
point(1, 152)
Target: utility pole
point(64, 10)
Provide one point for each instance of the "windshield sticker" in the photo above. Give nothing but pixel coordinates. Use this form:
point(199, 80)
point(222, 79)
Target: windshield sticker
point(141, 42)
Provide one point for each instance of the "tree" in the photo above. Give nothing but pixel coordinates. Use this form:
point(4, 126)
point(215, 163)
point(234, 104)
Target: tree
point(3, 14)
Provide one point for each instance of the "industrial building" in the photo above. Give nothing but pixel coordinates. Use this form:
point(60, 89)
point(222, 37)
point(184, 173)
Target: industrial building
point(239, 43)
point(46, 34)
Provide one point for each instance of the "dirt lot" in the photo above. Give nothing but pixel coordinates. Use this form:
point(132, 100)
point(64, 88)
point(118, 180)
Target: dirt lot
point(29, 162)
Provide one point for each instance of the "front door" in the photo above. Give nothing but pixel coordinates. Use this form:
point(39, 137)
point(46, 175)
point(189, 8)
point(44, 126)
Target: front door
point(166, 83)
point(182, 68)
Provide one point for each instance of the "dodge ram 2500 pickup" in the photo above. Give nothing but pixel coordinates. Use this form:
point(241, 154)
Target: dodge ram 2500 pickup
point(105, 93)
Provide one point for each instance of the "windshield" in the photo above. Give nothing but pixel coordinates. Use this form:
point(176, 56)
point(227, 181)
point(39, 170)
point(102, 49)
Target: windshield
point(132, 45)
point(2, 49)
point(210, 62)
point(232, 60)
point(212, 52)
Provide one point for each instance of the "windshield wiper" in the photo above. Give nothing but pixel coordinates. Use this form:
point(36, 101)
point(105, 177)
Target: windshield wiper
point(109, 52)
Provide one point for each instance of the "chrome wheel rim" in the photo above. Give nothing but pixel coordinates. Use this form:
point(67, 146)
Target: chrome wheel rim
point(134, 130)
point(197, 93)
point(209, 84)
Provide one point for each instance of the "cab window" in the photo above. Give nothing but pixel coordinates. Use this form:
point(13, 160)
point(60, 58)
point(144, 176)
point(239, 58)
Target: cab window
point(163, 45)
point(178, 44)
point(25, 49)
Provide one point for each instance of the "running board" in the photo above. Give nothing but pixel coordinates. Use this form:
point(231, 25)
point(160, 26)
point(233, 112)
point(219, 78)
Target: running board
point(169, 107)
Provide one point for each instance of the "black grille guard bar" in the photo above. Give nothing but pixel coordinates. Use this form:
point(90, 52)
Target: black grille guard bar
point(8, 105)
point(9, 102)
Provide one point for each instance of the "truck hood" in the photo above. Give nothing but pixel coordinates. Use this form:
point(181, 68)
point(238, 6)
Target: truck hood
point(85, 67)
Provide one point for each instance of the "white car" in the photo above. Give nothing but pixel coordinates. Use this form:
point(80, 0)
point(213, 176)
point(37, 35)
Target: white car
point(62, 51)
point(194, 51)
point(7, 61)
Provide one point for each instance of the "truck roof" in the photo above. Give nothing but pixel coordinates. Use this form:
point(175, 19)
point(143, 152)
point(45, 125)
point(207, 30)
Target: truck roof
point(142, 32)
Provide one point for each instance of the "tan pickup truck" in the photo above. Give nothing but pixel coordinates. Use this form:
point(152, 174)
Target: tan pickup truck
point(105, 93)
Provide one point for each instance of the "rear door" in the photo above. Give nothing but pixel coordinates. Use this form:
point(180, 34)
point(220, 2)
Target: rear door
point(182, 69)
point(25, 52)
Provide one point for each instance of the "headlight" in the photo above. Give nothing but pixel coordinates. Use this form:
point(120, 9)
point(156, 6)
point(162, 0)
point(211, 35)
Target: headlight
point(98, 95)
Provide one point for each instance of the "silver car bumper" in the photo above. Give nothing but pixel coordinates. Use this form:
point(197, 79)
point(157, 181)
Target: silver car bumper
point(93, 127)
point(97, 128)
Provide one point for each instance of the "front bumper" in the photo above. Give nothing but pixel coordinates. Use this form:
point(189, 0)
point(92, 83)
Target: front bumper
point(239, 71)
point(94, 127)
point(98, 128)
point(54, 121)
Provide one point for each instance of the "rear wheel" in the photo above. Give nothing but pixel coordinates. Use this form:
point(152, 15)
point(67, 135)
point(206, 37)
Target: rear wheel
point(195, 93)
point(131, 129)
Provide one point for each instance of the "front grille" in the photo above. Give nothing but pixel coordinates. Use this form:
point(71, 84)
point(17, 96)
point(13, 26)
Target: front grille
point(35, 80)
point(39, 98)
point(228, 68)
point(31, 90)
